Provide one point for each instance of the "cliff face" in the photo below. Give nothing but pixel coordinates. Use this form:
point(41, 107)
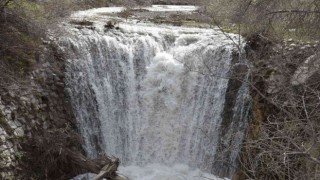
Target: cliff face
point(30, 109)
point(35, 116)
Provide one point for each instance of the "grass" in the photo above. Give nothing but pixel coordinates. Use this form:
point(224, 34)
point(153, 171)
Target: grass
point(33, 10)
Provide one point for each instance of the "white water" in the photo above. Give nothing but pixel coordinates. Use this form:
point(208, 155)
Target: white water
point(166, 8)
point(154, 8)
point(161, 172)
point(149, 95)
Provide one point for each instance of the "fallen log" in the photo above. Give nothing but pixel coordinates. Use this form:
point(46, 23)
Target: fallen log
point(109, 170)
point(104, 166)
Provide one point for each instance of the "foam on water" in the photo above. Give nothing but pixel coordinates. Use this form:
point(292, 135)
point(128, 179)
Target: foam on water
point(168, 8)
point(161, 172)
point(95, 11)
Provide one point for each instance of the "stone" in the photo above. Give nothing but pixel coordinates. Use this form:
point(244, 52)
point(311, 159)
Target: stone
point(293, 45)
point(23, 103)
point(45, 125)
point(13, 107)
point(23, 98)
point(18, 123)
point(3, 132)
point(43, 105)
point(34, 101)
point(306, 70)
point(55, 77)
point(3, 147)
point(11, 94)
point(3, 138)
point(307, 46)
point(22, 120)
point(2, 107)
point(8, 116)
point(19, 132)
point(12, 124)
point(7, 111)
point(10, 145)
point(274, 83)
point(46, 65)
point(6, 153)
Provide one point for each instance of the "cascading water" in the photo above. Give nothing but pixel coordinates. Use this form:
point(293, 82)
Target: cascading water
point(149, 94)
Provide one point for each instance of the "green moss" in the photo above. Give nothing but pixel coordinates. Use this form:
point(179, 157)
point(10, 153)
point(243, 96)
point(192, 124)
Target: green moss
point(23, 55)
point(31, 9)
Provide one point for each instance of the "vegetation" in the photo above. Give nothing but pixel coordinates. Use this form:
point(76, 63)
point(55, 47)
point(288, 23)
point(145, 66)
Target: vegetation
point(283, 139)
point(281, 18)
point(20, 45)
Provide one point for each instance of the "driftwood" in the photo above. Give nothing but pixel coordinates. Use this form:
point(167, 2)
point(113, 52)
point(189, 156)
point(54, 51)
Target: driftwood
point(109, 171)
point(104, 166)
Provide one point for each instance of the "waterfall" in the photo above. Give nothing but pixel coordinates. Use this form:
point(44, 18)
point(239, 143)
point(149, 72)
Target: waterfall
point(150, 94)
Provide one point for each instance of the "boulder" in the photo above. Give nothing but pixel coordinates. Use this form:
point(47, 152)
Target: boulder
point(306, 70)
